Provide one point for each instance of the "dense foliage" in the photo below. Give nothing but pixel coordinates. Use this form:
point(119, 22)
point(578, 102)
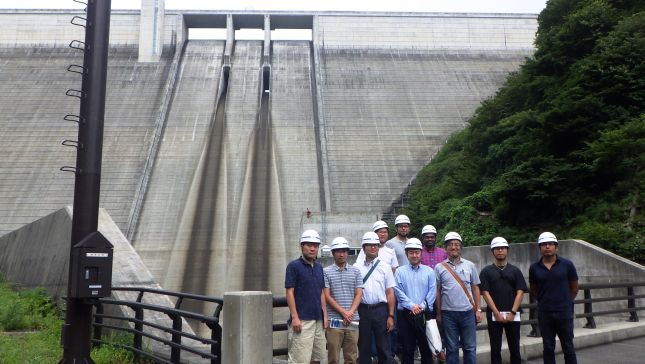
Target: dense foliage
point(561, 147)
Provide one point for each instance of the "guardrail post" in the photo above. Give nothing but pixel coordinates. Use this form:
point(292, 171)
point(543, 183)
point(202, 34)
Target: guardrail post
point(591, 322)
point(175, 352)
point(216, 336)
point(138, 329)
point(98, 321)
point(535, 328)
point(248, 323)
point(631, 303)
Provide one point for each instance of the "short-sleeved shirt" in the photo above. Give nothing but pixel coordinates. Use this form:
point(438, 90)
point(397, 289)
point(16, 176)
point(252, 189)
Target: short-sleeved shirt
point(433, 256)
point(385, 254)
point(415, 286)
point(453, 297)
point(342, 284)
point(553, 284)
point(380, 280)
point(308, 281)
point(399, 249)
point(502, 285)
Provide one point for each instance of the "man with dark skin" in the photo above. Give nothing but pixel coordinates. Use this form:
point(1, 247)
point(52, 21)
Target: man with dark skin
point(554, 281)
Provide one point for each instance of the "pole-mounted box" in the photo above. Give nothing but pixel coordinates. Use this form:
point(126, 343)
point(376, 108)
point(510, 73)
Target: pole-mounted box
point(91, 267)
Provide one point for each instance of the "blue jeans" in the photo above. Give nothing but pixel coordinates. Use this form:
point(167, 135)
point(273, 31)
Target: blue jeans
point(561, 324)
point(461, 330)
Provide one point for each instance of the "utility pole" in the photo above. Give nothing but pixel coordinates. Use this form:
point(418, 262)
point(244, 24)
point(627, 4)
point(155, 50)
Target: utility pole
point(76, 334)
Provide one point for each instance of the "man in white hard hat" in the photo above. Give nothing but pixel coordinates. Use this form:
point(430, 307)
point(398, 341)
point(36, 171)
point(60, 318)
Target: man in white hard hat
point(415, 293)
point(385, 254)
point(343, 293)
point(554, 281)
point(304, 282)
point(376, 310)
point(458, 301)
point(431, 254)
point(503, 286)
point(402, 224)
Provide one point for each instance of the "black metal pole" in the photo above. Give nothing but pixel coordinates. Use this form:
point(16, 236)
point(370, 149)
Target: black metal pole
point(76, 335)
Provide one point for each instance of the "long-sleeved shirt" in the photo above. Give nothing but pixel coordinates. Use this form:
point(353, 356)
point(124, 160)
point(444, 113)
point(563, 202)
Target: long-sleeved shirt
point(415, 286)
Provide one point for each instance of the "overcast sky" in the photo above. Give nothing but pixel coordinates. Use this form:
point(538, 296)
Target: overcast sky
point(474, 6)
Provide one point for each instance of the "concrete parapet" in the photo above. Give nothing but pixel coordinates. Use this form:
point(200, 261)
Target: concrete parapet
point(247, 327)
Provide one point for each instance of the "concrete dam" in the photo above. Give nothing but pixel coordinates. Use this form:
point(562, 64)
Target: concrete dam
point(218, 153)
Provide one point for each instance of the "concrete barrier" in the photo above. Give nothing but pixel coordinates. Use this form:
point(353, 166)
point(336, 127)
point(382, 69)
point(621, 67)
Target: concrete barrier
point(247, 327)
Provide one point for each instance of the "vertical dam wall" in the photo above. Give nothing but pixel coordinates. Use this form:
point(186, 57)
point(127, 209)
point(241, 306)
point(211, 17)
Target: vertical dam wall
point(217, 156)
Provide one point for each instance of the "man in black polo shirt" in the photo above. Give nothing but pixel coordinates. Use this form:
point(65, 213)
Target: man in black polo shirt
point(502, 286)
point(554, 281)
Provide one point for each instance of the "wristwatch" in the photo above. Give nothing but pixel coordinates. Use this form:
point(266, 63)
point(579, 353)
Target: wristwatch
point(390, 315)
point(479, 310)
point(513, 312)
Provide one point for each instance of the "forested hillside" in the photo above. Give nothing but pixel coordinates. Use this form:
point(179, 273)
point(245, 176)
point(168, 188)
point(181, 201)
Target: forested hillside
point(561, 147)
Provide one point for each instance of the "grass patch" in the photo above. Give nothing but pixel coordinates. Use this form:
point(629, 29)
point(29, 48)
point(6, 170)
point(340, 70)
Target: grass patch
point(30, 327)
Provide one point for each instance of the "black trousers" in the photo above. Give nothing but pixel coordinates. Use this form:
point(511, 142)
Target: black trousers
point(560, 324)
point(373, 324)
point(412, 333)
point(512, 330)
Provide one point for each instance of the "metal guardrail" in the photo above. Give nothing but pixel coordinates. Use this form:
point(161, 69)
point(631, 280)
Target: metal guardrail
point(629, 299)
point(176, 314)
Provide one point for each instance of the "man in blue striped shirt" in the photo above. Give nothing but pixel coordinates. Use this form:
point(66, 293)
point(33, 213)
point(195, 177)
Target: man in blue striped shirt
point(415, 293)
point(343, 292)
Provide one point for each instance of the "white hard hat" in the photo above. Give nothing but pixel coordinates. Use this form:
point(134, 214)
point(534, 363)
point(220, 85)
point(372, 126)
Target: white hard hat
point(310, 236)
point(379, 225)
point(546, 237)
point(498, 242)
point(428, 229)
point(401, 219)
point(339, 243)
point(370, 237)
point(413, 243)
point(452, 236)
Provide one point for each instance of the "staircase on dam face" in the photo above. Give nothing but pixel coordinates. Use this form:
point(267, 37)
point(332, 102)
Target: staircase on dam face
point(33, 81)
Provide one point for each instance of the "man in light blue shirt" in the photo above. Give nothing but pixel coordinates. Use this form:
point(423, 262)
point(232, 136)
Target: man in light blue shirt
point(458, 307)
point(415, 292)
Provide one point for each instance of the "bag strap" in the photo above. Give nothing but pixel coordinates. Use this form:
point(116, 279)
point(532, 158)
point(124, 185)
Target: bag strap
point(369, 273)
point(461, 283)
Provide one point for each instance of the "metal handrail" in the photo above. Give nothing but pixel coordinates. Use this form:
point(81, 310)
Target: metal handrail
point(176, 314)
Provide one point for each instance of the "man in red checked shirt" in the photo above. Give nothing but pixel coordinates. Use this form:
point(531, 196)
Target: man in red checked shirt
point(431, 254)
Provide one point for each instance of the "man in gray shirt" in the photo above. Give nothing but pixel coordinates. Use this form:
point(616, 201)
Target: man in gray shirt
point(459, 308)
point(343, 292)
point(402, 224)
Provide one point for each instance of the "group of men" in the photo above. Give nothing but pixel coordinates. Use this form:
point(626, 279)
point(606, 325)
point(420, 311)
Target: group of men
point(379, 307)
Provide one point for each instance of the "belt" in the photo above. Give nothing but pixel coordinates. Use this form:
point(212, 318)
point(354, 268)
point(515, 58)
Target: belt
point(373, 306)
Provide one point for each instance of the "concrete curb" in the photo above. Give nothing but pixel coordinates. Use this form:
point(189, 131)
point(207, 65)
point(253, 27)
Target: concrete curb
point(602, 335)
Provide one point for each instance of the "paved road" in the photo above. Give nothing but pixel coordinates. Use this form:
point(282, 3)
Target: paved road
point(630, 351)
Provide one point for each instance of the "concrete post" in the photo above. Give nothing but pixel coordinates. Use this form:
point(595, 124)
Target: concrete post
point(230, 39)
point(247, 330)
point(267, 40)
point(151, 25)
